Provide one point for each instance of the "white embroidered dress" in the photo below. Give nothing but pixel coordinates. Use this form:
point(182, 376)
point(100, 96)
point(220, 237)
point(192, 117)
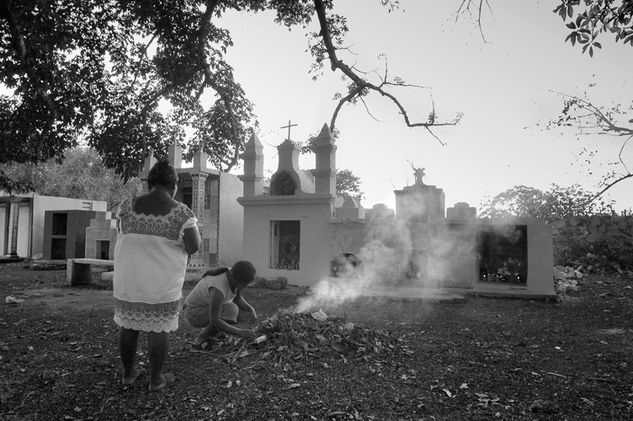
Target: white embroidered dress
point(149, 268)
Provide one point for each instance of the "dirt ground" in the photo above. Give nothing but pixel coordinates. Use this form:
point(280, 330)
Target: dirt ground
point(470, 359)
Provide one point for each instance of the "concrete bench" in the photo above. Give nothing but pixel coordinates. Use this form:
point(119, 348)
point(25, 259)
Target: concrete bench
point(79, 270)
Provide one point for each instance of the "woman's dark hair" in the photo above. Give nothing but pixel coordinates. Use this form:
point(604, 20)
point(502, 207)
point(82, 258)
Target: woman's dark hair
point(162, 174)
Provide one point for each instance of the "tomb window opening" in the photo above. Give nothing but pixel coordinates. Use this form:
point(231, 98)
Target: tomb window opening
point(503, 254)
point(285, 240)
point(102, 249)
point(187, 196)
point(58, 236)
point(60, 221)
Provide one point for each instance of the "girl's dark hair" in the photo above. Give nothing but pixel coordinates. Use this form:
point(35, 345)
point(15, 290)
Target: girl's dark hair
point(162, 174)
point(244, 271)
point(215, 272)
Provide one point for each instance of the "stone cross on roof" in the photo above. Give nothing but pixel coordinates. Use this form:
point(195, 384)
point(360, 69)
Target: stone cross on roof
point(288, 127)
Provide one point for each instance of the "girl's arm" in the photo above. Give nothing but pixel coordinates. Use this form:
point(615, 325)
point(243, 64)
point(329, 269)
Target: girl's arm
point(245, 306)
point(215, 308)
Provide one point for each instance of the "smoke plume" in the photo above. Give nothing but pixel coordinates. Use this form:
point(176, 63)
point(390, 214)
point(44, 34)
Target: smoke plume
point(399, 254)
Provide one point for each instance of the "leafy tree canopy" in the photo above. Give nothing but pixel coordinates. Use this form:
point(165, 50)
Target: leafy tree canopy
point(555, 203)
point(348, 185)
point(98, 70)
point(588, 20)
point(80, 175)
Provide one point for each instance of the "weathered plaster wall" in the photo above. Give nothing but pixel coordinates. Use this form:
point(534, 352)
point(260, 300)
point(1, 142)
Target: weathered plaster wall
point(4, 210)
point(540, 257)
point(347, 237)
point(24, 242)
point(457, 246)
point(231, 220)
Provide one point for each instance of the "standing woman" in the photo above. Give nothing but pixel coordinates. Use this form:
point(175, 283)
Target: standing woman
point(156, 236)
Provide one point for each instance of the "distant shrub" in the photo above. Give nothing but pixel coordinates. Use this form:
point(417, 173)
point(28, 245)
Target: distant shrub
point(597, 243)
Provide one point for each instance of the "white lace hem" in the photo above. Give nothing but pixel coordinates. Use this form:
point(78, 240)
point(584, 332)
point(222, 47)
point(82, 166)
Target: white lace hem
point(146, 324)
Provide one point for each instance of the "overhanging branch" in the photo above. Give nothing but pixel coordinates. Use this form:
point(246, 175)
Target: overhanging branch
point(607, 187)
point(361, 84)
point(465, 6)
point(605, 124)
point(610, 125)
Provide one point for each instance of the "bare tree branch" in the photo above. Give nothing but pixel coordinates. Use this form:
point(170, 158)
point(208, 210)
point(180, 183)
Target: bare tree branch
point(435, 136)
point(465, 4)
point(367, 109)
point(342, 101)
point(465, 7)
point(604, 125)
point(622, 150)
point(607, 187)
point(144, 53)
point(361, 85)
point(609, 125)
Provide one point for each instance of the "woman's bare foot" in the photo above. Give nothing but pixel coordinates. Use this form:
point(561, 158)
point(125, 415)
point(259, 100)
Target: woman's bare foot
point(135, 374)
point(167, 379)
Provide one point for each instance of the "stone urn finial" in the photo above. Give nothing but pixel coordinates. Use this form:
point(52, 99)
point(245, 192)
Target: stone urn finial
point(418, 173)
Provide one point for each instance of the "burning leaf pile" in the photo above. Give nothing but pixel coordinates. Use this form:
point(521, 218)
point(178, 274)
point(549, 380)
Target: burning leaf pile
point(288, 337)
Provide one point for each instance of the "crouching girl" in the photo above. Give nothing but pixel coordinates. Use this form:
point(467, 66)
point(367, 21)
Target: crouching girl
point(215, 302)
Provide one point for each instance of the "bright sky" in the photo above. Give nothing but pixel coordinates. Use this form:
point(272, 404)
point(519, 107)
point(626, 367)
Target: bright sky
point(501, 87)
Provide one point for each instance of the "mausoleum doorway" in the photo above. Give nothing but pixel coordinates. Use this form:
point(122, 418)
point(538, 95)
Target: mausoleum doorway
point(285, 242)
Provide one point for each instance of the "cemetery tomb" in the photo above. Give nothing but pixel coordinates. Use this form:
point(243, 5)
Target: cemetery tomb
point(101, 236)
point(65, 233)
